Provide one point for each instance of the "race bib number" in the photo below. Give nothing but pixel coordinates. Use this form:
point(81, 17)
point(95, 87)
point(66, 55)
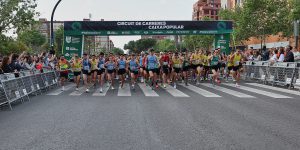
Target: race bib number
point(215, 63)
point(110, 67)
point(177, 66)
point(86, 67)
point(133, 68)
point(165, 63)
point(102, 66)
point(237, 63)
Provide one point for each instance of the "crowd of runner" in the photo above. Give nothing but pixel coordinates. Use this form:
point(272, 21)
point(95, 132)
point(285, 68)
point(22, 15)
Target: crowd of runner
point(152, 69)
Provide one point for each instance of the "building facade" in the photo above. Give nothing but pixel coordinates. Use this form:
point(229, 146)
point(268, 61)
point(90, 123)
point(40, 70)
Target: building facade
point(229, 4)
point(98, 42)
point(45, 27)
point(206, 8)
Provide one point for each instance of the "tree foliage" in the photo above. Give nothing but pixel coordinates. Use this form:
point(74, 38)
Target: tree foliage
point(32, 38)
point(116, 50)
point(16, 14)
point(140, 45)
point(260, 18)
point(165, 46)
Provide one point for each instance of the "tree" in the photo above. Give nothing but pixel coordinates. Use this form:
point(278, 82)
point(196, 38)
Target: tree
point(165, 46)
point(59, 37)
point(140, 45)
point(16, 14)
point(116, 50)
point(32, 38)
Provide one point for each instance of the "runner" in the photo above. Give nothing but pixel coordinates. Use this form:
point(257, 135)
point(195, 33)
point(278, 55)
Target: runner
point(122, 69)
point(195, 60)
point(111, 69)
point(214, 65)
point(76, 67)
point(157, 70)
point(133, 66)
point(237, 63)
point(229, 64)
point(93, 76)
point(165, 61)
point(176, 65)
point(185, 67)
point(101, 70)
point(142, 67)
point(206, 65)
point(86, 71)
point(63, 66)
point(145, 68)
point(151, 63)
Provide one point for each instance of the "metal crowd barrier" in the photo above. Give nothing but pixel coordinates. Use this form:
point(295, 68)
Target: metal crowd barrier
point(279, 73)
point(29, 83)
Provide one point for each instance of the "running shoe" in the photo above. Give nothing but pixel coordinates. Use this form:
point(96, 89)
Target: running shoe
point(132, 86)
point(101, 90)
point(77, 89)
point(156, 86)
point(165, 86)
point(175, 86)
point(63, 88)
point(237, 85)
point(87, 90)
point(112, 88)
point(142, 80)
point(197, 83)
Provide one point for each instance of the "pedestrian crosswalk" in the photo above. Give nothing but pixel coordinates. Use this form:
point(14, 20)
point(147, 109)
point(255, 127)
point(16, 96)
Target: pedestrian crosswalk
point(207, 90)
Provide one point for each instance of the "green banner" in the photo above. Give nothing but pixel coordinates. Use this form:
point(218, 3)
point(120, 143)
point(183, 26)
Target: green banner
point(154, 32)
point(72, 45)
point(222, 41)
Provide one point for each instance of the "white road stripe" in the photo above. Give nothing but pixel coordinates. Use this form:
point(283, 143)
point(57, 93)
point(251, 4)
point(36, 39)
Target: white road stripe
point(148, 92)
point(228, 91)
point(275, 88)
point(174, 92)
point(258, 91)
point(200, 91)
point(125, 91)
point(97, 92)
point(59, 91)
point(79, 92)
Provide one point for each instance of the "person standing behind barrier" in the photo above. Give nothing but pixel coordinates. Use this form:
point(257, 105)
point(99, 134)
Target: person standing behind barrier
point(14, 64)
point(76, 67)
point(280, 55)
point(289, 57)
point(5, 67)
point(296, 55)
point(63, 66)
point(237, 65)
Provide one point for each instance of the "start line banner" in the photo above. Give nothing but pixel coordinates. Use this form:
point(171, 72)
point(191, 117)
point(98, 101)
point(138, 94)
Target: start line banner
point(147, 27)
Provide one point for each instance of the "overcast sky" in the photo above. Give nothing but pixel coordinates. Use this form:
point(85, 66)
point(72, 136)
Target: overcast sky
point(112, 10)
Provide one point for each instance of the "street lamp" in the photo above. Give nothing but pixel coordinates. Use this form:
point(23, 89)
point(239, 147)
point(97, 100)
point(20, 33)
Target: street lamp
point(52, 33)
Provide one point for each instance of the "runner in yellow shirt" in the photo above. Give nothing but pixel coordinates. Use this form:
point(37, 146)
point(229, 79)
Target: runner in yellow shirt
point(237, 65)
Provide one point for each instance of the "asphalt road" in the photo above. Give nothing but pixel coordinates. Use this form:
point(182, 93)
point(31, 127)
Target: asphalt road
point(184, 119)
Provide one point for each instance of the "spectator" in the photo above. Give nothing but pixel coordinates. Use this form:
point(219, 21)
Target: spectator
point(5, 67)
point(28, 64)
point(280, 55)
point(266, 55)
point(14, 64)
point(257, 56)
point(289, 54)
point(274, 58)
point(296, 55)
